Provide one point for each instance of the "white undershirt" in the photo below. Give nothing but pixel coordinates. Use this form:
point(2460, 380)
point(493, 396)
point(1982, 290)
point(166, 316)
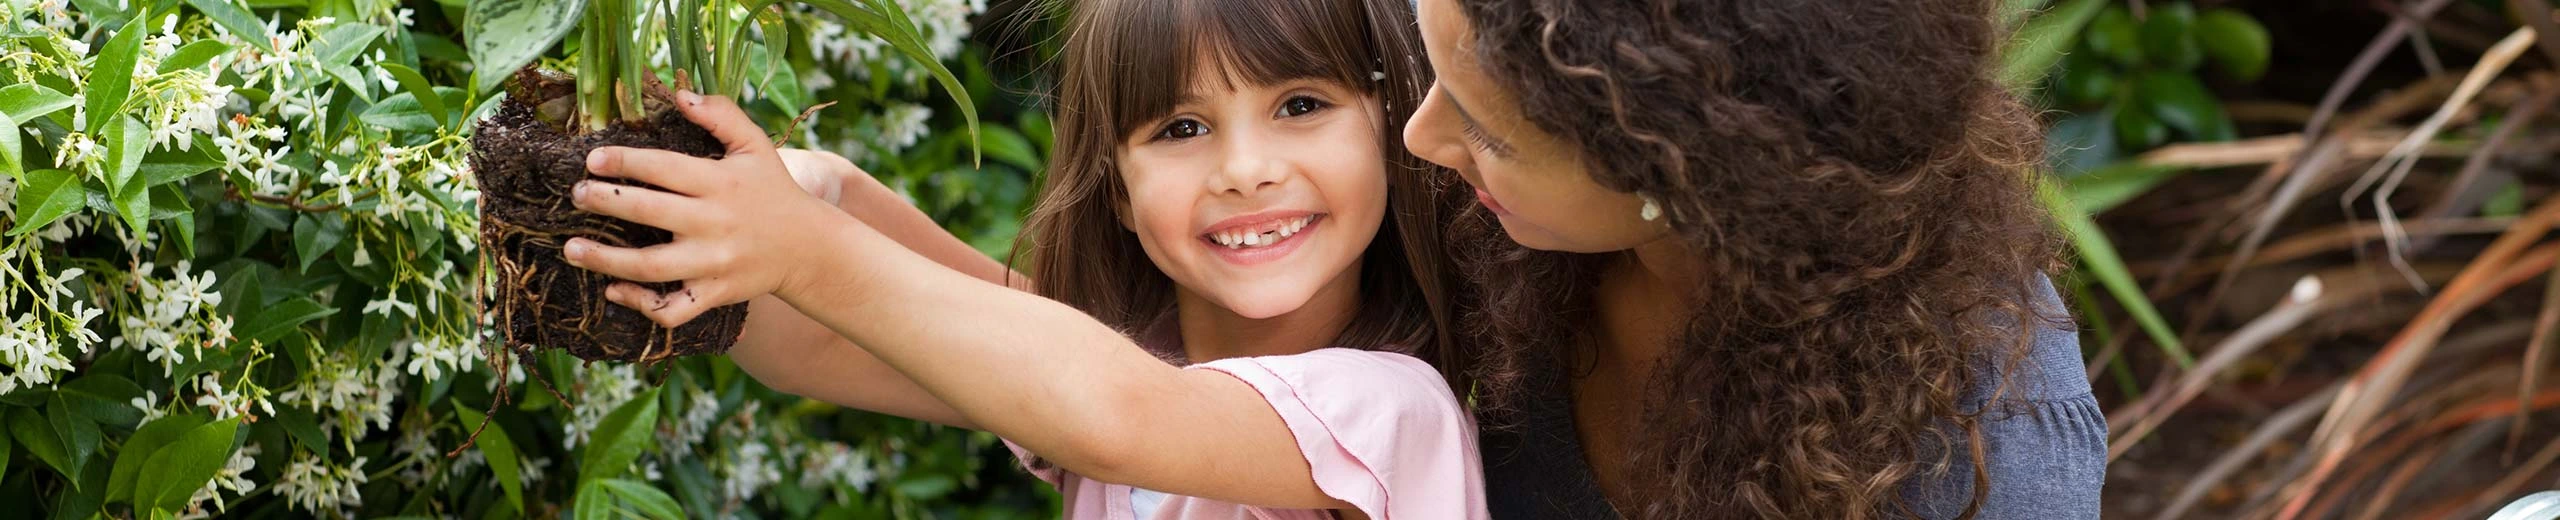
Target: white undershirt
point(1145, 502)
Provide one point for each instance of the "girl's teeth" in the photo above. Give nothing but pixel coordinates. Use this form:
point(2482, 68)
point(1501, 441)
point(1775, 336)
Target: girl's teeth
point(1244, 239)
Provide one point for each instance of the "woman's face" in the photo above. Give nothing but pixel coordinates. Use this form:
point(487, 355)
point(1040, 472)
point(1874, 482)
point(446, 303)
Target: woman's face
point(1535, 182)
point(1255, 197)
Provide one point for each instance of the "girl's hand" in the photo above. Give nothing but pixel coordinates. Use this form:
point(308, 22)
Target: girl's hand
point(740, 223)
point(820, 173)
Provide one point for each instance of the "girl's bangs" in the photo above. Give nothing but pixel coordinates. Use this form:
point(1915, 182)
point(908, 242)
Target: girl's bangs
point(1252, 42)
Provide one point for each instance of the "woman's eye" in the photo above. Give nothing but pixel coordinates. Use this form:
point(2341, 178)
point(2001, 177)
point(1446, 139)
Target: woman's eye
point(1181, 129)
point(1301, 105)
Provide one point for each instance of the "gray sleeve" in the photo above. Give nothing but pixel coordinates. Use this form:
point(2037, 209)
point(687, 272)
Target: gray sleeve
point(2045, 444)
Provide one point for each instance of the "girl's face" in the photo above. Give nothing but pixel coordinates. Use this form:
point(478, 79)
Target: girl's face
point(1255, 197)
point(1535, 183)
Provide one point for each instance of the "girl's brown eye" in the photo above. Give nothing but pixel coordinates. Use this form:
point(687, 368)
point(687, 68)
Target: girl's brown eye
point(1301, 105)
point(1181, 129)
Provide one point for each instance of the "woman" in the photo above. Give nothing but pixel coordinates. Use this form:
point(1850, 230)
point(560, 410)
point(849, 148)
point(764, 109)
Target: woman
point(1756, 258)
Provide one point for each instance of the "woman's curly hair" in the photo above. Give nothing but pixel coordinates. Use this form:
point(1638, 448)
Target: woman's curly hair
point(1857, 187)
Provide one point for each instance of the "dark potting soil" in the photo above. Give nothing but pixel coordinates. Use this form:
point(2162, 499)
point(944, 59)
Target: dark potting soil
point(526, 168)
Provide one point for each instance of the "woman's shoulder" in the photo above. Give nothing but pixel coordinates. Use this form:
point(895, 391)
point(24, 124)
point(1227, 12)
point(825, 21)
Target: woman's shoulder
point(2048, 370)
point(2044, 436)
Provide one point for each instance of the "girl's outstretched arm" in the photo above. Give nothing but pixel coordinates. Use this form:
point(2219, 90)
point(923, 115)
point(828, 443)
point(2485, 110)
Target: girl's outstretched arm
point(847, 187)
point(1030, 369)
point(786, 350)
point(789, 352)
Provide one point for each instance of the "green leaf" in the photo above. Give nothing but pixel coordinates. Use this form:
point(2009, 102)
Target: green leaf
point(273, 322)
point(169, 166)
point(24, 102)
point(2508, 201)
point(313, 236)
point(2099, 255)
point(107, 12)
point(2178, 100)
point(2238, 45)
point(1009, 147)
point(504, 35)
point(345, 41)
point(2116, 36)
point(780, 83)
point(619, 438)
point(401, 112)
point(498, 450)
point(2169, 39)
point(137, 450)
point(133, 202)
point(183, 466)
point(106, 399)
point(238, 20)
point(126, 141)
point(9, 150)
point(111, 77)
point(46, 196)
point(2104, 188)
point(2137, 130)
point(354, 80)
point(650, 502)
point(80, 436)
point(5, 447)
point(2012, 11)
point(593, 502)
point(30, 429)
point(193, 55)
point(2036, 48)
point(420, 92)
point(891, 24)
point(2086, 81)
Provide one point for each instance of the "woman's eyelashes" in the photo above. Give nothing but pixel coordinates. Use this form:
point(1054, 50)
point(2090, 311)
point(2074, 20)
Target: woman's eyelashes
point(1185, 127)
point(1483, 143)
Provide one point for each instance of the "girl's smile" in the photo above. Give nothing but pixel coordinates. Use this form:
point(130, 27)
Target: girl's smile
point(1261, 237)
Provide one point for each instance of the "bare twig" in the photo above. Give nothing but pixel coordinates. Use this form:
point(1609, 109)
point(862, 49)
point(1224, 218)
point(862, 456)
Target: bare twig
point(2395, 167)
point(2523, 113)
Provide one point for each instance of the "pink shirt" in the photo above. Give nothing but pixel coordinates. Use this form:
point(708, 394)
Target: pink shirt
point(1380, 431)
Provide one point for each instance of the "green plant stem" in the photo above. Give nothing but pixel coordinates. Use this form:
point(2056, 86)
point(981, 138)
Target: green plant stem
point(595, 80)
point(631, 61)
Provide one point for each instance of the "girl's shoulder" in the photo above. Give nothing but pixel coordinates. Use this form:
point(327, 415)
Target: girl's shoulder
point(1344, 371)
point(1373, 425)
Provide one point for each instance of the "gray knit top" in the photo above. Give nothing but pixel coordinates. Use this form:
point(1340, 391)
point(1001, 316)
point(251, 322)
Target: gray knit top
point(2046, 449)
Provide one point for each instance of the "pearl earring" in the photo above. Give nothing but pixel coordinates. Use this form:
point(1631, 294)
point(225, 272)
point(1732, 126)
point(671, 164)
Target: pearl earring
point(1652, 210)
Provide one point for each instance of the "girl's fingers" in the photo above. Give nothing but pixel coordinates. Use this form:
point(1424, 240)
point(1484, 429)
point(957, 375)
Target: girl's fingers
point(658, 263)
point(674, 171)
point(721, 116)
point(644, 206)
point(669, 309)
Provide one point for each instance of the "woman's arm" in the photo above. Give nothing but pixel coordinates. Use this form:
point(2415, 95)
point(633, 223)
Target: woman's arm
point(1030, 369)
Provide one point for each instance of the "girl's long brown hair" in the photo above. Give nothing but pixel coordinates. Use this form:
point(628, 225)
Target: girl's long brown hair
point(1125, 64)
point(1856, 186)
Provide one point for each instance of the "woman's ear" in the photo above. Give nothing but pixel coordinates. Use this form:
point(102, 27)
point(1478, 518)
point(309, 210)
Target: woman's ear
point(1120, 212)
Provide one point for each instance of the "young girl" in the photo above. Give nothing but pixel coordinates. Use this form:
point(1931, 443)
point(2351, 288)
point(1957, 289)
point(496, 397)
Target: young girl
point(1222, 199)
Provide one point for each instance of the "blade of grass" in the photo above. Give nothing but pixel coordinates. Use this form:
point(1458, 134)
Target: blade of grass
point(2036, 48)
point(2100, 327)
point(2098, 255)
